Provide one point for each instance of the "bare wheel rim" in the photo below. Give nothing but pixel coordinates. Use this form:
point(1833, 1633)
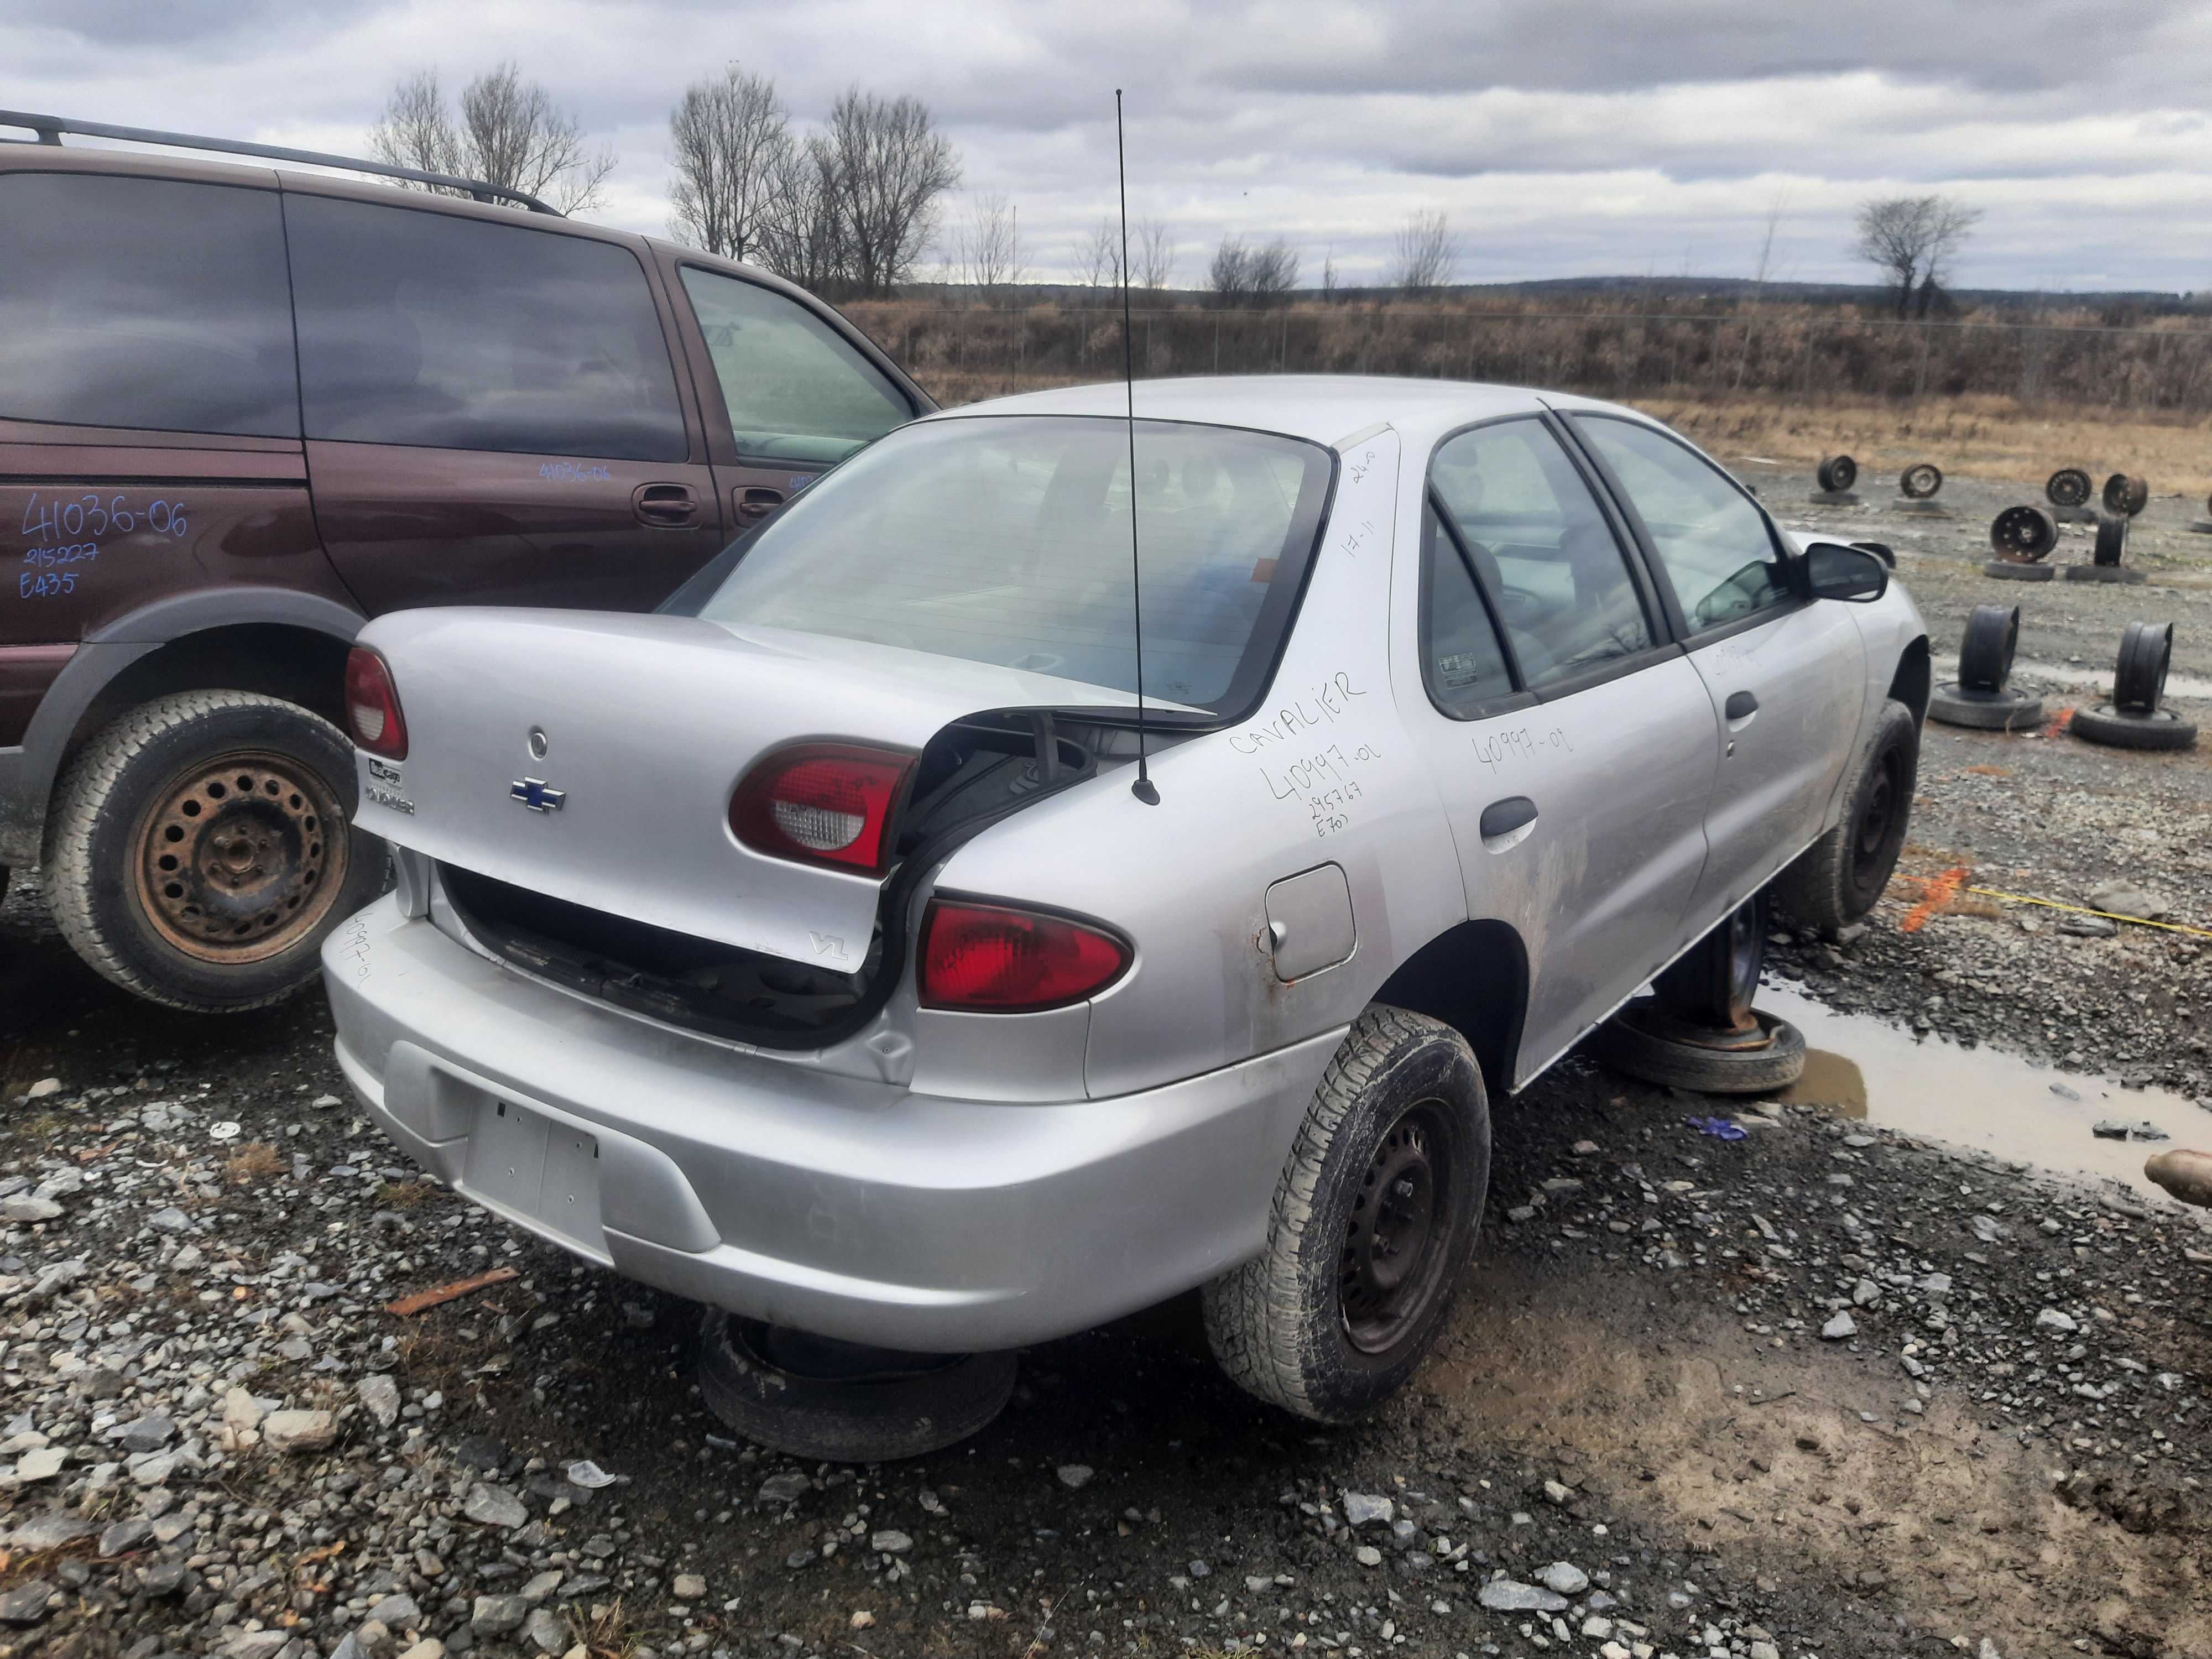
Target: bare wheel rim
point(1746, 956)
point(242, 856)
point(1394, 1259)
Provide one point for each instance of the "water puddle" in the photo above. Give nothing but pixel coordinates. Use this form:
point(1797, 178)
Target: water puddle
point(1979, 1098)
point(2101, 679)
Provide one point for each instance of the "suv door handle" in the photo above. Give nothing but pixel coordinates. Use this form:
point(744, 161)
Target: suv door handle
point(1741, 705)
point(753, 505)
point(1502, 817)
point(669, 505)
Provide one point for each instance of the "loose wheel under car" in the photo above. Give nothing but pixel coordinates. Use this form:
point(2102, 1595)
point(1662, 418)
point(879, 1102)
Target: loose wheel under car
point(200, 848)
point(1372, 1227)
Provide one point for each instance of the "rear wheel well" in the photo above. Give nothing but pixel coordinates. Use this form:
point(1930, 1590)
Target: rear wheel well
point(1910, 685)
point(1475, 977)
point(299, 665)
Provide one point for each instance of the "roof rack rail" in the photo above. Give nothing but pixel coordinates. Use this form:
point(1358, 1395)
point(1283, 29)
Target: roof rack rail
point(50, 129)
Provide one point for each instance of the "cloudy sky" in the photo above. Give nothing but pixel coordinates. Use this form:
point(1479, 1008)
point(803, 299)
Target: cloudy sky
point(1562, 137)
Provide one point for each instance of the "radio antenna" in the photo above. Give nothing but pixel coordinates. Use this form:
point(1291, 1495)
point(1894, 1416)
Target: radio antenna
point(1142, 788)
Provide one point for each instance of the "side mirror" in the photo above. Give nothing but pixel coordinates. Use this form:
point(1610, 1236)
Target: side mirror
point(1838, 572)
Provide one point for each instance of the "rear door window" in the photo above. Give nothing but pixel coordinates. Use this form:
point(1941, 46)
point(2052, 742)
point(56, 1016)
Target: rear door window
point(449, 332)
point(152, 303)
point(795, 388)
point(1538, 540)
point(1461, 660)
point(1713, 542)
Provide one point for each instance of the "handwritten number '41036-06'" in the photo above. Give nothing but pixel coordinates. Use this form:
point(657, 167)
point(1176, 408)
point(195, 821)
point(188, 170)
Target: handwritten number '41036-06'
point(90, 516)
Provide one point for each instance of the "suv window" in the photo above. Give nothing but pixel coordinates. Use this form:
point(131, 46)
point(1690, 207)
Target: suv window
point(1461, 660)
point(145, 303)
point(1711, 539)
point(1532, 529)
point(428, 328)
point(795, 388)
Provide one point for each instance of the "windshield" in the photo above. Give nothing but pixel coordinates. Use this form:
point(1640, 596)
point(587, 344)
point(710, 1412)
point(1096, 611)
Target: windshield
point(1006, 539)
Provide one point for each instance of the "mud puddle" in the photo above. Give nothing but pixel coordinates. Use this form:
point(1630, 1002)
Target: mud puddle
point(1978, 1097)
point(2101, 679)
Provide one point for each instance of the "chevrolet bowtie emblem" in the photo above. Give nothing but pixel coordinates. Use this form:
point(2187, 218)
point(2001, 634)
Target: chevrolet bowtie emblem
point(533, 793)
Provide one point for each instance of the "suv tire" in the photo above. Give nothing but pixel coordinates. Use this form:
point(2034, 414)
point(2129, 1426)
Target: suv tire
point(201, 847)
point(1838, 878)
point(1394, 1152)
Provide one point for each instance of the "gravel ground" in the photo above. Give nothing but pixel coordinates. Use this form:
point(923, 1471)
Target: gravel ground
point(1820, 1391)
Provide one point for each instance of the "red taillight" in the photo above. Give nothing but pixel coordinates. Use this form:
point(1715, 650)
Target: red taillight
point(372, 705)
point(1001, 960)
point(827, 803)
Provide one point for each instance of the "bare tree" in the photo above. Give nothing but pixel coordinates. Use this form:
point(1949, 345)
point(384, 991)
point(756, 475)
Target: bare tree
point(987, 250)
point(1275, 271)
point(802, 238)
point(889, 166)
point(1098, 257)
point(1427, 252)
point(509, 132)
point(1328, 277)
point(1774, 212)
point(1913, 238)
point(729, 138)
point(1153, 262)
point(1243, 274)
point(1230, 276)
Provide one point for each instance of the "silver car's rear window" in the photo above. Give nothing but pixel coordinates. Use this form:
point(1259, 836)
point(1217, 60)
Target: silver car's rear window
point(1005, 539)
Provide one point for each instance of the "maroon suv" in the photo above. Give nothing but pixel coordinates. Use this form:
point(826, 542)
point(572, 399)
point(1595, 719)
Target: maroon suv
point(241, 411)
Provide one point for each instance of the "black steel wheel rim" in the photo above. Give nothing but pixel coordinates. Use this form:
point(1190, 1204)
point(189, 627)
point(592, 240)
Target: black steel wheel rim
point(2139, 679)
point(1877, 813)
point(1393, 1264)
point(2069, 486)
point(1746, 956)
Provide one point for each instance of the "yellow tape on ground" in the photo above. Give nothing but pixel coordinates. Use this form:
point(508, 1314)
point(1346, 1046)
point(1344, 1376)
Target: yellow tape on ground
point(2084, 910)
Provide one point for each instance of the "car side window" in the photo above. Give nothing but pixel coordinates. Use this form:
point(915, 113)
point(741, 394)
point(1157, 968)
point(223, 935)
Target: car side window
point(795, 388)
point(450, 332)
point(152, 303)
point(1713, 542)
point(1461, 662)
point(1543, 547)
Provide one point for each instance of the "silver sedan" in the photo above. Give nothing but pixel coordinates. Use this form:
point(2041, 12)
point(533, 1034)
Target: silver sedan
point(804, 948)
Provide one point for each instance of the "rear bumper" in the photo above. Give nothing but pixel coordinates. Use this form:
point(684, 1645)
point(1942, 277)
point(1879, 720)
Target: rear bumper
point(860, 1210)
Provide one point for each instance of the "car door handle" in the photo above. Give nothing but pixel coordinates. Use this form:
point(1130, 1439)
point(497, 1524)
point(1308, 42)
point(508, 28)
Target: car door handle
point(751, 506)
point(1502, 817)
point(1741, 705)
point(667, 505)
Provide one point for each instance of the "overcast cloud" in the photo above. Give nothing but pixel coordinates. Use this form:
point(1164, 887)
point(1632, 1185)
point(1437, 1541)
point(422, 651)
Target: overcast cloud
point(1565, 137)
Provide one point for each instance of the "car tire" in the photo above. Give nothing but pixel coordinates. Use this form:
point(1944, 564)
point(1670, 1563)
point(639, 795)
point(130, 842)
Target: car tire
point(201, 849)
point(2161, 729)
point(1636, 1041)
point(1838, 878)
point(2010, 710)
point(842, 1403)
point(1393, 1159)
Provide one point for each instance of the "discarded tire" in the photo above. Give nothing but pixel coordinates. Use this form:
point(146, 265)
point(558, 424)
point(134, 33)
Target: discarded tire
point(1839, 472)
point(2007, 709)
point(2004, 570)
point(811, 1397)
point(2163, 729)
point(1644, 1043)
point(2069, 486)
point(1985, 652)
point(1919, 483)
point(2139, 676)
point(2111, 538)
point(2023, 534)
point(2126, 496)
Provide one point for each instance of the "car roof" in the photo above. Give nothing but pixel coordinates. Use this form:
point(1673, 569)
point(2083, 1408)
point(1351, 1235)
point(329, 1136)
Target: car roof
point(1327, 409)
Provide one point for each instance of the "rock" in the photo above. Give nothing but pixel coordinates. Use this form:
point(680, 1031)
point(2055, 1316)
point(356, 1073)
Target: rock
point(1361, 1508)
point(1987, 1228)
point(1566, 1578)
point(2121, 1128)
point(481, 1452)
point(1841, 1325)
point(169, 1219)
point(545, 1630)
point(429, 1648)
point(145, 1434)
point(1368, 1556)
point(121, 1535)
point(240, 1410)
point(49, 1532)
point(380, 1398)
point(495, 1506)
point(496, 1615)
point(44, 1464)
point(27, 1603)
point(690, 1587)
point(1558, 1493)
point(1506, 1595)
point(889, 1541)
point(26, 1208)
point(256, 1644)
point(42, 1088)
point(1074, 1476)
point(2051, 1319)
point(299, 1431)
point(862, 1619)
point(1764, 1650)
point(541, 1586)
point(163, 1578)
point(785, 1489)
point(2088, 927)
point(1865, 1294)
point(397, 1612)
point(2123, 897)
